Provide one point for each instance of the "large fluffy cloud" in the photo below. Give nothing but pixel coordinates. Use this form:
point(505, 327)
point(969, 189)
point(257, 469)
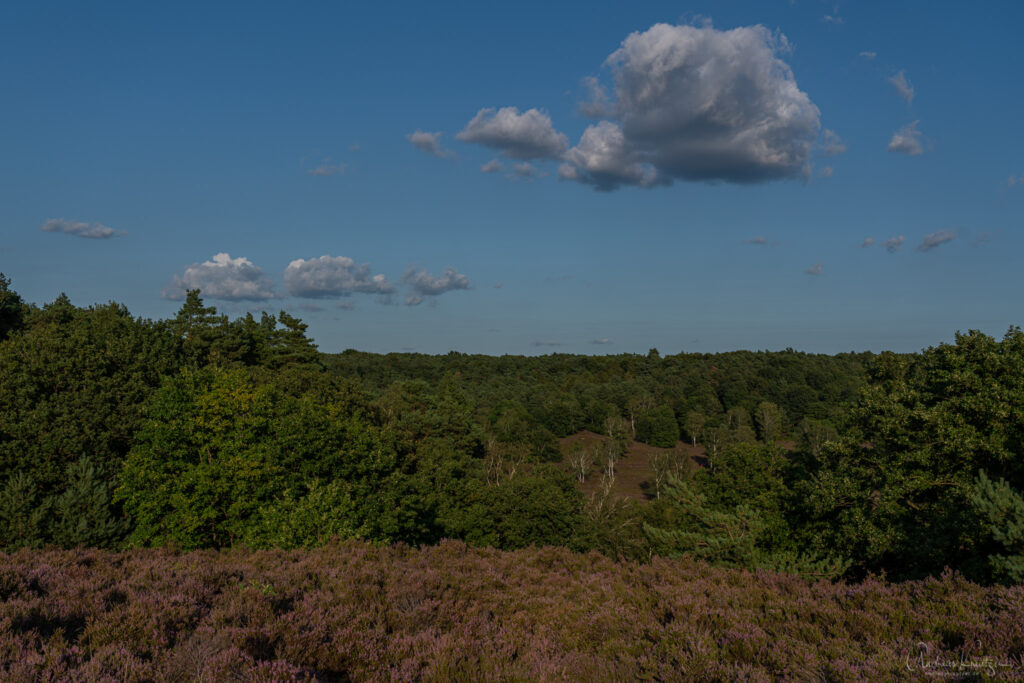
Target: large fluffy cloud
point(223, 278)
point(423, 284)
point(332, 276)
point(696, 103)
point(96, 231)
point(528, 135)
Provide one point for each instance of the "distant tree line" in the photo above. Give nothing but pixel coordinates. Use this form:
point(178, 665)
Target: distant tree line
point(200, 431)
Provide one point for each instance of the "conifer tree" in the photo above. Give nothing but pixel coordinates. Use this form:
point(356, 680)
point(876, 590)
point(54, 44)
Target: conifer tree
point(12, 308)
point(1002, 510)
point(82, 515)
point(22, 517)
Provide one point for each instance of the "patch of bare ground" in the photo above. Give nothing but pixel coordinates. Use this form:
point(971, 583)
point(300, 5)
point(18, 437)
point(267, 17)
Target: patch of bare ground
point(634, 475)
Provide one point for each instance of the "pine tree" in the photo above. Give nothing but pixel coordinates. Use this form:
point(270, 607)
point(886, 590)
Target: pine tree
point(82, 515)
point(291, 347)
point(22, 517)
point(12, 308)
point(195, 325)
point(1002, 510)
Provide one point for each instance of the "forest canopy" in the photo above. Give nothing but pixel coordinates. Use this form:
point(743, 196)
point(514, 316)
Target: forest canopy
point(200, 431)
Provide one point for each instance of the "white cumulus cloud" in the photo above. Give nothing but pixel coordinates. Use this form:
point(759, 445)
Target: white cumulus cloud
point(604, 158)
point(422, 284)
point(223, 278)
point(698, 104)
point(527, 135)
point(330, 276)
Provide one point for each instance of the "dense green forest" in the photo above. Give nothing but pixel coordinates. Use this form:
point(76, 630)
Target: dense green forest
point(202, 432)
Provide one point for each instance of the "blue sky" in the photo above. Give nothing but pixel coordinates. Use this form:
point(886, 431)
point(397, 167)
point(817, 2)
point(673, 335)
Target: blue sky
point(691, 177)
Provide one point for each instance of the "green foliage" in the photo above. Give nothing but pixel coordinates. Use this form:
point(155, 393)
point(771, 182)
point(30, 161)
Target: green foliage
point(222, 444)
point(204, 462)
point(770, 423)
point(12, 308)
point(816, 434)
point(667, 465)
point(75, 382)
point(658, 427)
point(195, 328)
point(289, 347)
point(23, 513)
point(728, 537)
point(540, 508)
point(694, 425)
point(895, 491)
point(324, 512)
point(82, 515)
point(1001, 510)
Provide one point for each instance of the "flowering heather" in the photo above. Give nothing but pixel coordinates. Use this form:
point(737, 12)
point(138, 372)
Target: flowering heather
point(450, 612)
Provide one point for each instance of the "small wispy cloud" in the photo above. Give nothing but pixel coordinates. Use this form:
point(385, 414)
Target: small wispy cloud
point(868, 55)
point(93, 231)
point(815, 269)
point(1015, 180)
point(936, 240)
point(831, 143)
point(761, 241)
point(981, 238)
point(894, 244)
point(547, 342)
point(907, 140)
point(429, 143)
point(868, 241)
point(327, 168)
point(832, 19)
point(492, 166)
point(601, 341)
point(526, 170)
point(902, 85)
point(826, 172)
